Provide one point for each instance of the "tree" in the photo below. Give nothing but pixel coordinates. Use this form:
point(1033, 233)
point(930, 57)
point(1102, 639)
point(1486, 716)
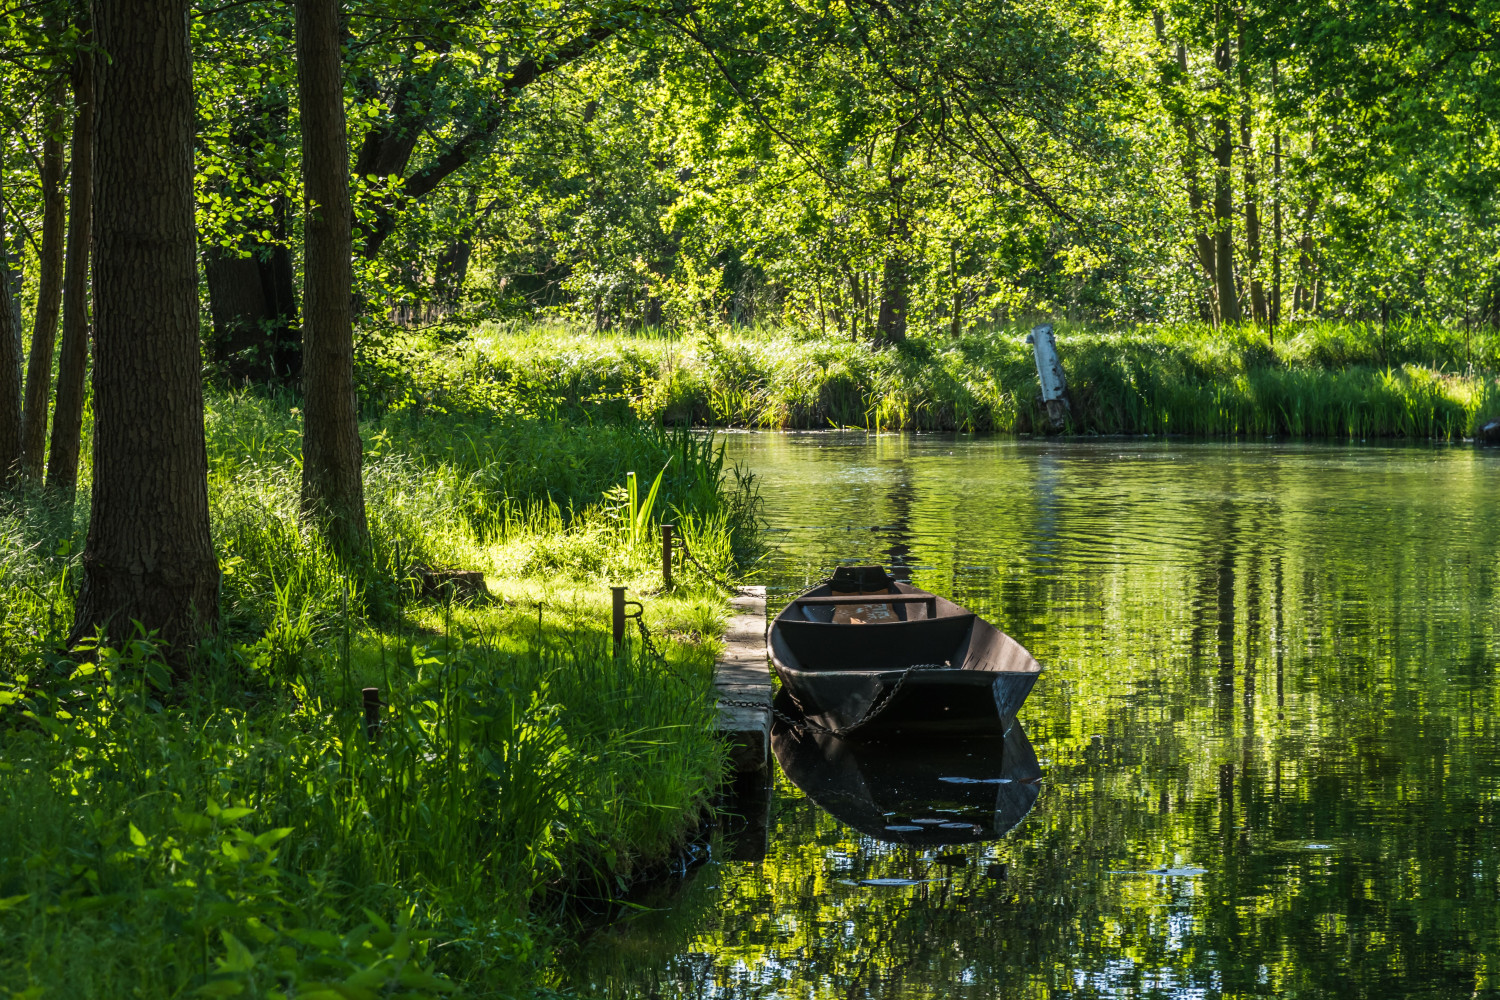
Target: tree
point(49, 288)
point(248, 191)
point(10, 378)
point(332, 487)
point(149, 557)
point(895, 273)
point(73, 355)
point(251, 280)
point(1224, 273)
point(385, 155)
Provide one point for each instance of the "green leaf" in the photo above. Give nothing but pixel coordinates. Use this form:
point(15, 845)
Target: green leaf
point(238, 958)
point(271, 837)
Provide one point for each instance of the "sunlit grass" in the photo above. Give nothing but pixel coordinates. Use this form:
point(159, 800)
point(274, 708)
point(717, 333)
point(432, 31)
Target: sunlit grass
point(1313, 379)
point(240, 835)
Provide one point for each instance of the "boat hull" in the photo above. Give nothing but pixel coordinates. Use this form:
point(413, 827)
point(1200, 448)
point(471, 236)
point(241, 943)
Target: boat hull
point(927, 667)
point(932, 702)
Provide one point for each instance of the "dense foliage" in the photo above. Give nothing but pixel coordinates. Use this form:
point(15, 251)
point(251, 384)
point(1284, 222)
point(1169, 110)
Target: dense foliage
point(689, 164)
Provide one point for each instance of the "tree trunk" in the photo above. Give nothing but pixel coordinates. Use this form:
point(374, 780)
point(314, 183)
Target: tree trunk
point(895, 274)
point(955, 317)
point(1258, 308)
point(332, 490)
point(1203, 243)
point(253, 303)
point(1305, 292)
point(856, 304)
point(73, 356)
point(149, 556)
point(895, 282)
point(1228, 294)
point(252, 294)
point(1275, 304)
point(453, 261)
point(10, 374)
point(49, 288)
point(10, 271)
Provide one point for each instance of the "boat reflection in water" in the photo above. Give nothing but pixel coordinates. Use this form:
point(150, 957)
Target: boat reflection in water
point(924, 794)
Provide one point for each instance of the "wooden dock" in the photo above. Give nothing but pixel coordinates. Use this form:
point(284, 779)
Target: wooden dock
point(743, 678)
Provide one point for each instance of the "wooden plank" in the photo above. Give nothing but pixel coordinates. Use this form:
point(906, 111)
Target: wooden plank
point(869, 599)
point(743, 678)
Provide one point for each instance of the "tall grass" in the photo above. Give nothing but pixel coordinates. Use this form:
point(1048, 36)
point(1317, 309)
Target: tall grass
point(249, 839)
point(238, 834)
point(1315, 379)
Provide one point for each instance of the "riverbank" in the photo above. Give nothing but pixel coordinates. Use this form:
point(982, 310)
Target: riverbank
point(1315, 380)
point(240, 833)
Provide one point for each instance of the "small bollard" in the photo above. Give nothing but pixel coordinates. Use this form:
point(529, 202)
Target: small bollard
point(372, 713)
point(617, 619)
point(666, 555)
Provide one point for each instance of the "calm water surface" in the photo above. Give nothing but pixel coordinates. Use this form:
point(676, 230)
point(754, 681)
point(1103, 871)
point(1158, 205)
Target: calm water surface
point(1271, 672)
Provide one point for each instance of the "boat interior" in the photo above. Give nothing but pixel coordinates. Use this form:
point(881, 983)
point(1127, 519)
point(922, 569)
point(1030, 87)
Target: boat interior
point(915, 627)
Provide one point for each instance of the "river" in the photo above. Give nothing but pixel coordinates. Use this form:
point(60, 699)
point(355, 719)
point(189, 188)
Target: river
point(1267, 732)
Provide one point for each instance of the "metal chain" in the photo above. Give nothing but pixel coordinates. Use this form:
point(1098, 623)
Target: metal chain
point(648, 646)
point(878, 706)
point(873, 712)
point(687, 554)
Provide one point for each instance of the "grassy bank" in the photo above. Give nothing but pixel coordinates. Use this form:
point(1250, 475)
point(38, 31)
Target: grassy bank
point(238, 834)
point(1315, 380)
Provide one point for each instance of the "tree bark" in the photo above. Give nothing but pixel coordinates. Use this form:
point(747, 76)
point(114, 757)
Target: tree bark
point(73, 355)
point(1228, 294)
point(49, 288)
point(452, 268)
point(895, 294)
point(10, 272)
point(1258, 309)
point(149, 556)
point(253, 303)
point(955, 316)
point(332, 489)
point(10, 373)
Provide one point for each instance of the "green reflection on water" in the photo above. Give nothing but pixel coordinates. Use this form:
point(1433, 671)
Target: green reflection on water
point(1275, 664)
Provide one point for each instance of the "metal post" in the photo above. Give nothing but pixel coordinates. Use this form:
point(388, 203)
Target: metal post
point(372, 713)
point(617, 619)
point(1049, 372)
point(666, 555)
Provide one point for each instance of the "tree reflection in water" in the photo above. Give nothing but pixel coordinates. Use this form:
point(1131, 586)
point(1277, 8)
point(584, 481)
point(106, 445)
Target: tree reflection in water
point(1273, 665)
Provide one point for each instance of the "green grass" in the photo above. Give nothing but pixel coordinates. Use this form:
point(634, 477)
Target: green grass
point(1317, 379)
point(238, 834)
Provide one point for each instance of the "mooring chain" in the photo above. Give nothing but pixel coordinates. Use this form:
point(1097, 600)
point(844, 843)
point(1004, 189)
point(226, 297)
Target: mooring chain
point(873, 712)
point(687, 554)
point(649, 646)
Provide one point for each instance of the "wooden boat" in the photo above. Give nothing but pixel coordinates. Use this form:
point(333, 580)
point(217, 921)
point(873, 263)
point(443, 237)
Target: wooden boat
point(949, 792)
point(865, 654)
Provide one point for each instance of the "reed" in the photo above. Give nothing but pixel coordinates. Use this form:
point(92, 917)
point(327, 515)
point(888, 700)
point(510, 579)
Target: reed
point(1314, 379)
